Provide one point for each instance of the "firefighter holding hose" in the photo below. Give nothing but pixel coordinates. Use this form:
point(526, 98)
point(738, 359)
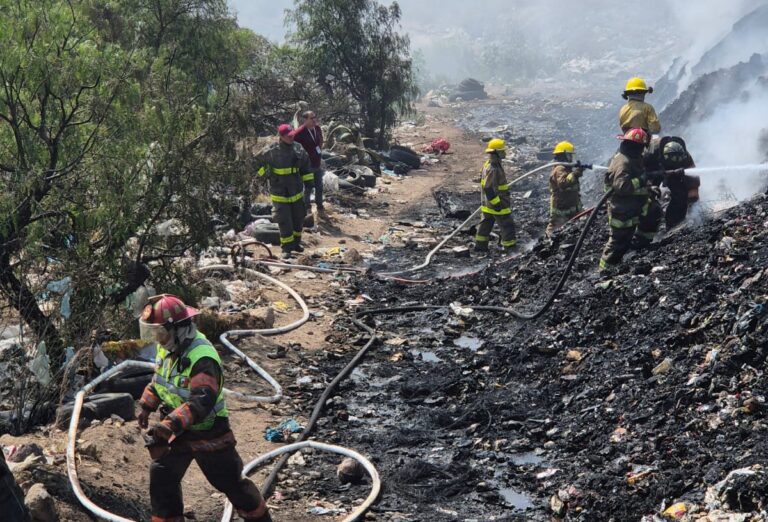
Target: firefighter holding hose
point(495, 202)
point(633, 214)
point(564, 187)
point(188, 389)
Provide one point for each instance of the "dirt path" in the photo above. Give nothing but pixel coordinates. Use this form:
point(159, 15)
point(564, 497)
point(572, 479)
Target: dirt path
point(114, 465)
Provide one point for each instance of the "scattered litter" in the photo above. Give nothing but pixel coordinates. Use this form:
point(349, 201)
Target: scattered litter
point(461, 311)
point(283, 431)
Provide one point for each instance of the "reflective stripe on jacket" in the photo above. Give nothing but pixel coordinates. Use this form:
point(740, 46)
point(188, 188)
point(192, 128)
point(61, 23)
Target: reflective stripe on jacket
point(287, 169)
point(564, 189)
point(172, 383)
point(494, 190)
point(630, 192)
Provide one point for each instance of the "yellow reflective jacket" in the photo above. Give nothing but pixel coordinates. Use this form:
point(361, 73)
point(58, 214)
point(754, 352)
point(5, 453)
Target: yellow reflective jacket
point(564, 189)
point(494, 193)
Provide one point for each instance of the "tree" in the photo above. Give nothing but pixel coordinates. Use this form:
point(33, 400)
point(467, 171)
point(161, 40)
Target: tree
point(114, 117)
point(353, 49)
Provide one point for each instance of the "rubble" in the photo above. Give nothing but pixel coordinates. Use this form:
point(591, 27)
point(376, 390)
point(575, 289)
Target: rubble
point(662, 398)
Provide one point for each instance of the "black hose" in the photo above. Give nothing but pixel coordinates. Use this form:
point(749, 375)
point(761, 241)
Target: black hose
point(269, 484)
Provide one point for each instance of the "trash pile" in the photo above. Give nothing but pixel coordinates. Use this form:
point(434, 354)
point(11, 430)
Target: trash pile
point(469, 89)
point(640, 394)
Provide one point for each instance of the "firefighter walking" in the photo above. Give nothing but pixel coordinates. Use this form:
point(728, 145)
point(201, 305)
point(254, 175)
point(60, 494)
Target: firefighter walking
point(564, 187)
point(633, 215)
point(188, 388)
point(288, 170)
point(494, 200)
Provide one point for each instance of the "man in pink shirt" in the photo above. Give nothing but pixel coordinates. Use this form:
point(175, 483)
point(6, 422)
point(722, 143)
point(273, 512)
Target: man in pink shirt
point(310, 136)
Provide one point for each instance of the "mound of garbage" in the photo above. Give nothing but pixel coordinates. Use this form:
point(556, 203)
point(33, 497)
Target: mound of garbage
point(641, 393)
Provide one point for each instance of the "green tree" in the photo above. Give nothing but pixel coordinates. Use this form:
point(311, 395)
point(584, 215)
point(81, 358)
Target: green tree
point(353, 49)
point(115, 116)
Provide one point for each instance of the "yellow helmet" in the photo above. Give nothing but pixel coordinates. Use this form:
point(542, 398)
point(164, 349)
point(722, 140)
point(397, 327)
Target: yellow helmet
point(563, 146)
point(496, 145)
point(636, 85)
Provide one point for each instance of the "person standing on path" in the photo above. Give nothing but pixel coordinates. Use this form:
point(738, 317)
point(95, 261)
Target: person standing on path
point(310, 136)
point(287, 168)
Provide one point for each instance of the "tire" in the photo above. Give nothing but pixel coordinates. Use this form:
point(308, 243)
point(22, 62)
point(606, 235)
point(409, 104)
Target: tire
point(267, 233)
point(404, 149)
point(98, 406)
point(355, 178)
point(402, 156)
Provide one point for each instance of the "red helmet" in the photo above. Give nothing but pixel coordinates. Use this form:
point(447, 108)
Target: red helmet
point(162, 312)
point(636, 135)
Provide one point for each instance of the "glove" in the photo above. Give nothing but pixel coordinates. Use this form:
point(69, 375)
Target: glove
point(143, 418)
point(161, 433)
point(157, 448)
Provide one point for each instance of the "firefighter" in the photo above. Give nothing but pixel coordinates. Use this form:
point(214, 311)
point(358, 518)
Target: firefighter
point(564, 187)
point(288, 170)
point(494, 200)
point(633, 214)
point(636, 113)
point(670, 157)
point(188, 388)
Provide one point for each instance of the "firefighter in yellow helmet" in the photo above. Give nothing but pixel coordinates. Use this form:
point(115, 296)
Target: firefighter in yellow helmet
point(636, 113)
point(494, 200)
point(564, 187)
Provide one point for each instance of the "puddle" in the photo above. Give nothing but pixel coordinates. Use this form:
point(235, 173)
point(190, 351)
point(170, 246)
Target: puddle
point(516, 499)
point(473, 343)
point(359, 377)
point(430, 357)
point(526, 459)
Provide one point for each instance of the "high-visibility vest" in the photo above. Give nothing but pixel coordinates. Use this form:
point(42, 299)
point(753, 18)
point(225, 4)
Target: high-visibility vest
point(172, 384)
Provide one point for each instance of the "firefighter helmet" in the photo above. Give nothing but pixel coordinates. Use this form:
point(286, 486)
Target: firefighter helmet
point(162, 313)
point(674, 154)
point(496, 145)
point(637, 85)
point(563, 146)
point(634, 135)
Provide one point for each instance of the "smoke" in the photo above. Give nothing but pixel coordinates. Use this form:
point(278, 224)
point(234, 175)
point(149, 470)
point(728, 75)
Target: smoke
point(730, 137)
point(704, 27)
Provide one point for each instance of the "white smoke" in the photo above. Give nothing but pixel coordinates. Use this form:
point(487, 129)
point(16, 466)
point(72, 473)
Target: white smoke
point(730, 137)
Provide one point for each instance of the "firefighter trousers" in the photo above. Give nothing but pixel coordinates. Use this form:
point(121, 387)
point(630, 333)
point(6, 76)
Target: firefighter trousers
point(635, 232)
point(677, 208)
point(290, 220)
point(506, 226)
point(223, 470)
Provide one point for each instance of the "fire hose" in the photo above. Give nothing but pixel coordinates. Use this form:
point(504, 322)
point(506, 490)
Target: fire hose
point(447, 238)
point(269, 483)
point(259, 461)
